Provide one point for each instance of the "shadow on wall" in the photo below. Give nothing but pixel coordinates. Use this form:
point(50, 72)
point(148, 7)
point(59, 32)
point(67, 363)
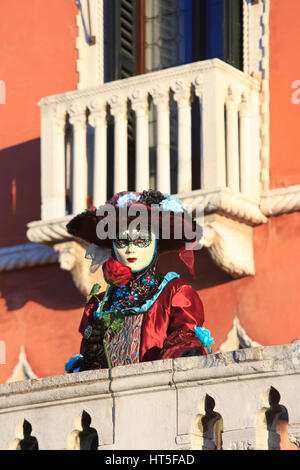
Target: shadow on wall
point(19, 191)
point(83, 437)
point(48, 286)
point(24, 440)
point(272, 424)
point(207, 273)
point(207, 426)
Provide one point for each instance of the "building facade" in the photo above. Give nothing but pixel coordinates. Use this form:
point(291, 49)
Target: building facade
point(194, 98)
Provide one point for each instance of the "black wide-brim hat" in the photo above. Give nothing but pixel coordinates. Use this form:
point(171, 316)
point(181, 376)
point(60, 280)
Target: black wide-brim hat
point(161, 209)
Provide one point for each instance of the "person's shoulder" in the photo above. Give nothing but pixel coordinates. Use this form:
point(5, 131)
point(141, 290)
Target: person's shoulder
point(180, 286)
point(175, 282)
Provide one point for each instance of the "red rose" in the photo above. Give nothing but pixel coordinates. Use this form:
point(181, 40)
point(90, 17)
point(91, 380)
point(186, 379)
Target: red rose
point(115, 273)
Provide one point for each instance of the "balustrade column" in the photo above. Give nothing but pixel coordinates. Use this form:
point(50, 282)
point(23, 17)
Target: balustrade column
point(214, 162)
point(78, 120)
point(53, 162)
point(184, 173)
point(255, 147)
point(198, 86)
point(245, 148)
point(98, 120)
point(59, 165)
point(163, 182)
point(140, 106)
point(119, 111)
point(232, 140)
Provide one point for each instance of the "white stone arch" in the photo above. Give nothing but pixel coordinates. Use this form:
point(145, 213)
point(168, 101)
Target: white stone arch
point(83, 437)
point(24, 440)
point(272, 424)
point(207, 426)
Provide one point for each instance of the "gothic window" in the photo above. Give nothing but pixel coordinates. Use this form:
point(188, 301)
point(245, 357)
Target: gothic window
point(143, 36)
point(147, 35)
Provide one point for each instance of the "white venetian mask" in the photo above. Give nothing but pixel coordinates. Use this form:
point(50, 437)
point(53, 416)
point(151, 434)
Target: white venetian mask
point(135, 250)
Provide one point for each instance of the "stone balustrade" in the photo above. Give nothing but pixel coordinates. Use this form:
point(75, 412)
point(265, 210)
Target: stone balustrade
point(227, 101)
point(245, 399)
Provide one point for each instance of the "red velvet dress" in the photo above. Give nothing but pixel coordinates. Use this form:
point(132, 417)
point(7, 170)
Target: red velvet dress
point(167, 327)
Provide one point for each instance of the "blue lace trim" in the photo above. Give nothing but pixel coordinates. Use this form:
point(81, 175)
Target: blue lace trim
point(71, 362)
point(148, 304)
point(204, 336)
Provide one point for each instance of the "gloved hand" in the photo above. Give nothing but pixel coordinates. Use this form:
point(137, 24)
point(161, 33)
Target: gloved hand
point(94, 355)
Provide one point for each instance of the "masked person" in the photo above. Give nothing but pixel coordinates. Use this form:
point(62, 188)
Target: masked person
point(143, 315)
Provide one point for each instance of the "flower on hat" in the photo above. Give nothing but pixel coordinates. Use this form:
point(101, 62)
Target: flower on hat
point(171, 204)
point(124, 200)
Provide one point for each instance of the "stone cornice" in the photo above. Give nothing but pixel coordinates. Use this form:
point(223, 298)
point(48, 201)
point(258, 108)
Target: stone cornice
point(281, 201)
point(49, 231)
point(26, 256)
point(229, 218)
point(217, 200)
point(227, 234)
point(237, 338)
point(126, 86)
point(224, 202)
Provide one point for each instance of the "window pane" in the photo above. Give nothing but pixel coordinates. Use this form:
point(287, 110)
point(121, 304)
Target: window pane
point(168, 33)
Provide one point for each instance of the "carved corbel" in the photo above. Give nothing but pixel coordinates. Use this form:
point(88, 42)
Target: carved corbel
point(230, 245)
point(71, 257)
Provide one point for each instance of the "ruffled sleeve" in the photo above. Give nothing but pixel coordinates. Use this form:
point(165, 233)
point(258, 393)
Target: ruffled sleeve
point(186, 313)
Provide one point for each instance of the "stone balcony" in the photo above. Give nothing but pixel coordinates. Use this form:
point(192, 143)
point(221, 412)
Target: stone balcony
point(75, 153)
point(229, 125)
point(240, 400)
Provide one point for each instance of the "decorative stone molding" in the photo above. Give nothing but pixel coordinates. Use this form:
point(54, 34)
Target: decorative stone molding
point(252, 36)
point(265, 100)
point(230, 245)
point(223, 201)
point(68, 252)
point(218, 200)
point(49, 231)
point(256, 63)
point(228, 223)
point(71, 258)
point(123, 88)
point(90, 62)
point(26, 256)
point(281, 201)
point(237, 338)
point(22, 370)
